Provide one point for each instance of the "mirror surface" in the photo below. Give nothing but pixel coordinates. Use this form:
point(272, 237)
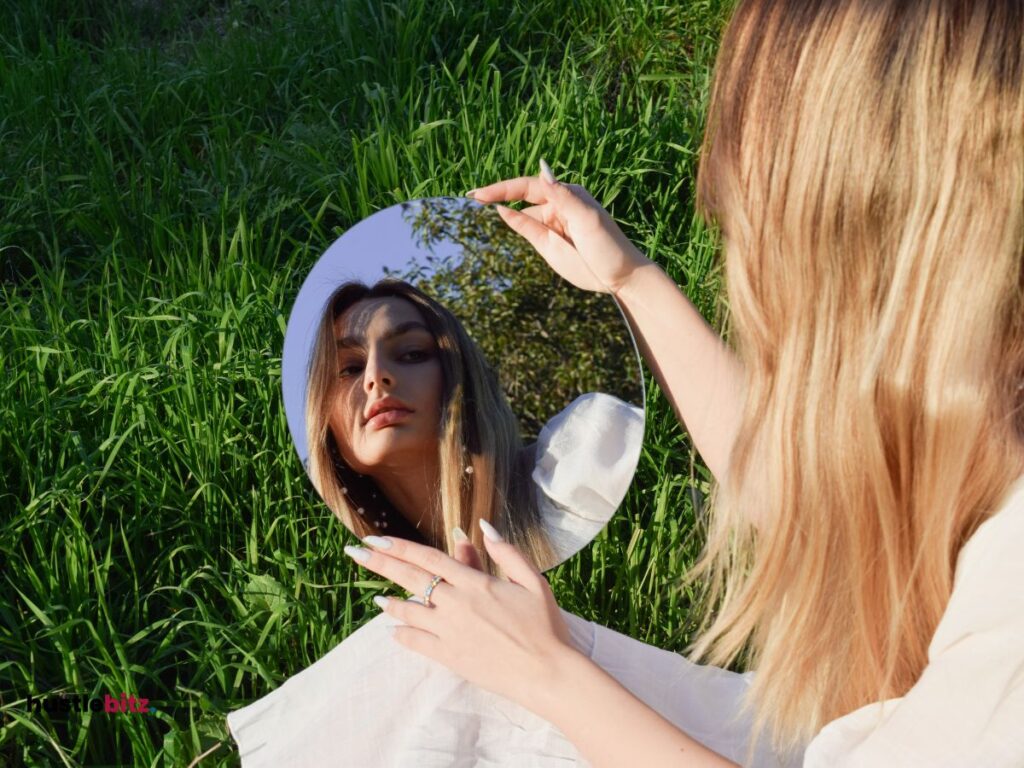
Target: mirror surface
point(480, 379)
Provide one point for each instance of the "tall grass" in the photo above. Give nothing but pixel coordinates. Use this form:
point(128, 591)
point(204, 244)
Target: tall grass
point(169, 172)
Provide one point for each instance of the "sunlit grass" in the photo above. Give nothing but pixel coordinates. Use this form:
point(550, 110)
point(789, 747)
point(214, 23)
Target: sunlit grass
point(169, 172)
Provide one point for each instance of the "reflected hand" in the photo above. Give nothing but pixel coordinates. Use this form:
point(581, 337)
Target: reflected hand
point(506, 636)
point(575, 236)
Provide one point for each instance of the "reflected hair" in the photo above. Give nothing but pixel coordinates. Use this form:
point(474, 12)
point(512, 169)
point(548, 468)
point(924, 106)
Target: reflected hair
point(863, 162)
point(478, 432)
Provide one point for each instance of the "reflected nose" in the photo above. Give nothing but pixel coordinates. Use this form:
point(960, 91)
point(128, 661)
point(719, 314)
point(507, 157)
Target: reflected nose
point(377, 373)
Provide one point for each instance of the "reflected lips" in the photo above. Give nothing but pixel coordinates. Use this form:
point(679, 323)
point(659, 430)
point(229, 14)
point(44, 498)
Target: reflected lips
point(386, 412)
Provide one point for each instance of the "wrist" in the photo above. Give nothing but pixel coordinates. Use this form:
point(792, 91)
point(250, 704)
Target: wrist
point(628, 287)
point(565, 669)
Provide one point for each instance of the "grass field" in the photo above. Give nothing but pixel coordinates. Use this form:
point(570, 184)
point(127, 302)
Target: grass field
point(169, 172)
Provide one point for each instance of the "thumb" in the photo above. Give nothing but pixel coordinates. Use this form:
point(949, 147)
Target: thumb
point(513, 564)
point(545, 240)
point(560, 255)
point(574, 202)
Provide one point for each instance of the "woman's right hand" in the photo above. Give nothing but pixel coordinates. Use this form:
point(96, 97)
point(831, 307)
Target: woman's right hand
point(575, 236)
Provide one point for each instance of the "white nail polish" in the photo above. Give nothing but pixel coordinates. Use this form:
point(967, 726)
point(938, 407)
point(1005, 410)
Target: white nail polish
point(490, 531)
point(376, 541)
point(545, 172)
point(358, 553)
point(381, 601)
point(459, 535)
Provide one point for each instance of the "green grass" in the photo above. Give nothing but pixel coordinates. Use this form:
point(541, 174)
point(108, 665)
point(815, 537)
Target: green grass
point(169, 172)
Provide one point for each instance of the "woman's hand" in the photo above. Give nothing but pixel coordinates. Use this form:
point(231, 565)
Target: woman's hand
point(507, 637)
point(575, 235)
point(465, 552)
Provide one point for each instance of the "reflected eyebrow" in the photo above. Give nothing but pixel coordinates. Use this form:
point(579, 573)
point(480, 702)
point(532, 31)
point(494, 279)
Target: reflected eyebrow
point(349, 342)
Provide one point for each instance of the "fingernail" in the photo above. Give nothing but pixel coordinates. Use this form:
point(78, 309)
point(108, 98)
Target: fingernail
point(381, 601)
point(376, 541)
point(545, 172)
point(358, 553)
point(490, 531)
point(459, 534)
point(471, 193)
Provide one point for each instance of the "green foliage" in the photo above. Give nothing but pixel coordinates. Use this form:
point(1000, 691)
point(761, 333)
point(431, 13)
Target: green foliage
point(549, 341)
point(169, 172)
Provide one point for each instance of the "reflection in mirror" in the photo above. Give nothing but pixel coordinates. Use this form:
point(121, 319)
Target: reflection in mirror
point(437, 372)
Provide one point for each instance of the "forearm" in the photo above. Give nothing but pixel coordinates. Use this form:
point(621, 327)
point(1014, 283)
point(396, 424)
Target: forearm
point(610, 726)
point(699, 374)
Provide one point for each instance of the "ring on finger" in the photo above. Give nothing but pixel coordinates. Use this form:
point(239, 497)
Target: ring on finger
point(426, 595)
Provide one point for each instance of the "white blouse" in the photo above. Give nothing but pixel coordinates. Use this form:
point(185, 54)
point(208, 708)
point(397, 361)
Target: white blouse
point(372, 702)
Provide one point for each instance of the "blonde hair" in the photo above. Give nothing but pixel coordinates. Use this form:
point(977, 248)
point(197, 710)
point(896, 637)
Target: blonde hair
point(479, 431)
point(864, 162)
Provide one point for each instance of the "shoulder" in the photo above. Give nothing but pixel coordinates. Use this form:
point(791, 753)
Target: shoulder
point(968, 704)
point(584, 460)
point(987, 592)
point(595, 416)
point(585, 456)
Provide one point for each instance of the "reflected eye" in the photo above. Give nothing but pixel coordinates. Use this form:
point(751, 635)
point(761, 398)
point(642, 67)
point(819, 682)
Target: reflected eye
point(351, 369)
point(415, 356)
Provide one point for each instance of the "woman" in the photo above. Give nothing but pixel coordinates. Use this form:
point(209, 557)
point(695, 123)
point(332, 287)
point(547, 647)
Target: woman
point(409, 431)
point(865, 162)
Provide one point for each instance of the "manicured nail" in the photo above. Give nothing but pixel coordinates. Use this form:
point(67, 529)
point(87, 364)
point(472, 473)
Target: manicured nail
point(490, 531)
point(358, 553)
point(381, 601)
point(376, 541)
point(459, 535)
point(545, 172)
point(471, 193)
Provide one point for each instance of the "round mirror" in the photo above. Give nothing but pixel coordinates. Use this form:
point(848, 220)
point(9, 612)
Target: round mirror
point(437, 371)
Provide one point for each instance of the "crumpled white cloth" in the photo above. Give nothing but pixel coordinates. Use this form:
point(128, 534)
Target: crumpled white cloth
point(372, 702)
point(585, 459)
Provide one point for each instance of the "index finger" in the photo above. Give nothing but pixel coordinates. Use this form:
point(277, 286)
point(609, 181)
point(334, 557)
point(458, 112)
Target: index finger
point(432, 560)
point(532, 189)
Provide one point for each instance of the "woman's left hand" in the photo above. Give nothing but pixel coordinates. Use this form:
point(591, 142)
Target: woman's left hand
point(507, 637)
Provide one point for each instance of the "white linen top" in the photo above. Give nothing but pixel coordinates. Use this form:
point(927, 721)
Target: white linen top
point(372, 702)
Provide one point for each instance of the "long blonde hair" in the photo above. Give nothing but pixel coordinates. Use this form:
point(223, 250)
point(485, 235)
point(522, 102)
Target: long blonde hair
point(864, 162)
point(479, 432)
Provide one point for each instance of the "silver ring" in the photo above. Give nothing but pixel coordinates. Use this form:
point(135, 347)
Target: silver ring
point(433, 583)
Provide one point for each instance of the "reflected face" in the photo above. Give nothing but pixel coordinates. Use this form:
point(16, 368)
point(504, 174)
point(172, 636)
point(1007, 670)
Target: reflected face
point(386, 413)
